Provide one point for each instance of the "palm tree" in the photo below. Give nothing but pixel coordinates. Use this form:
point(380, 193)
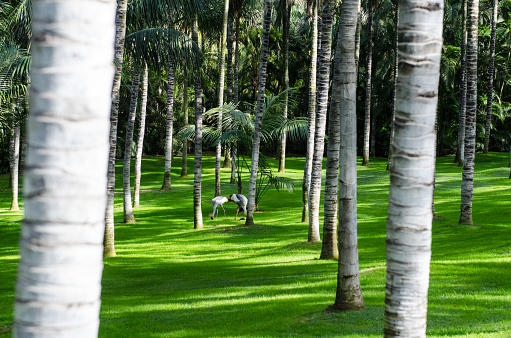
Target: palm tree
point(223, 51)
point(259, 113)
point(120, 34)
point(409, 219)
point(396, 66)
point(65, 174)
point(369, 65)
point(319, 138)
point(169, 130)
point(197, 163)
point(140, 143)
point(467, 183)
point(129, 217)
point(15, 156)
point(184, 163)
point(460, 149)
point(348, 293)
point(312, 116)
point(491, 70)
point(329, 248)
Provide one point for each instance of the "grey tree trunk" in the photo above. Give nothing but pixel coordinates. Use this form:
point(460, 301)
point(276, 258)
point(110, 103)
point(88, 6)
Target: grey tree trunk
point(169, 130)
point(460, 149)
point(120, 32)
point(491, 71)
point(369, 65)
point(396, 68)
point(319, 138)
point(235, 89)
point(259, 113)
point(59, 274)
point(348, 293)
point(329, 248)
point(129, 217)
point(197, 162)
point(307, 173)
point(409, 220)
point(467, 182)
point(184, 163)
point(140, 143)
point(223, 50)
point(15, 160)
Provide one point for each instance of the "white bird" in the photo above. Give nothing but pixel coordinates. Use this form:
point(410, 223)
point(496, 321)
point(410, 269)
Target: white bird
point(218, 201)
point(241, 201)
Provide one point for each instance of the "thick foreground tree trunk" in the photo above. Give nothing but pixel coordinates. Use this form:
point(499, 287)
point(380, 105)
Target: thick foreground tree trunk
point(59, 274)
point(409, 219)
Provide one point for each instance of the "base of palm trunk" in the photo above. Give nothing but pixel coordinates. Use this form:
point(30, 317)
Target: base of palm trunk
point(346, 307)
point(109, 252)
point(14, 208)
point(465, 220)
point(129, 219)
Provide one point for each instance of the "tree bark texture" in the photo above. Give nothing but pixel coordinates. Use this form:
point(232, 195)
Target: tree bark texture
point(467, 182)
point(259, 114)
point(140, 142)
point(460, 149)
point(129, 217)
point(348, 292)
point(307, 173)
point(396, 68)
point(184, 162)
point(282, 144)
point(120, 32)
point(15, 160)
point(409, 219)
point(197, 162)
point(491, 71)
point(169, 130)
point(369, 65)
point(59, 274)
point(329, 248)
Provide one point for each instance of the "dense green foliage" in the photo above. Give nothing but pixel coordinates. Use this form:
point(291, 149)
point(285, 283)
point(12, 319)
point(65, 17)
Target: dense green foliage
point(230, 280)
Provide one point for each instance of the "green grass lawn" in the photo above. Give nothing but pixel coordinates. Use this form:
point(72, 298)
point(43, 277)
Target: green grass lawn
point(230, 280)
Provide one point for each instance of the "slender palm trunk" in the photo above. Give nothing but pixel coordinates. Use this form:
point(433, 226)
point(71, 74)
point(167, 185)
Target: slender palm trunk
point(329, 248)
point(140, 143)
point(223, 50)
point(259, 114)
point(467, 182)
point(184, 163)
point(286, 26)
point(235, 89)
point(319, 137)
point(369, 65)
point(120, 32)
point(129, 217)
point(312, 117)
point(228, 69)
point(197, 162)
point(58, 285)
point(396, 67)
point(169, 131)
point(409, 219)
point(460, 149)
point(491, 70)
point(15, 160)
point(348, 293)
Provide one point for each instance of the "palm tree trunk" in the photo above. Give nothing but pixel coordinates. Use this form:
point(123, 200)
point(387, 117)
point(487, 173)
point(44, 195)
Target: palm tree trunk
point(367, 119)
point(120, 32)
point(140, 143)
point(167, 180)
point(184, 163)
point(197, 162)
point(307, 173)
point(15, 160)
point(460, 149)
point(396, 67)
point(348, 293)
point(235, 90)
point(228, 80)
point(286, 26)
point(259, 114)
point(129, 217)
point(223, 50)
point(58, 285)
point(329, 248)
point(467, 182)
point(319, 137)
point(491, 70)
point(409, 219)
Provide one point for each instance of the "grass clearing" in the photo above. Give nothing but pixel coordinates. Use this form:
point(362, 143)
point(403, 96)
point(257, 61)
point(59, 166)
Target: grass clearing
point(230, 280)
